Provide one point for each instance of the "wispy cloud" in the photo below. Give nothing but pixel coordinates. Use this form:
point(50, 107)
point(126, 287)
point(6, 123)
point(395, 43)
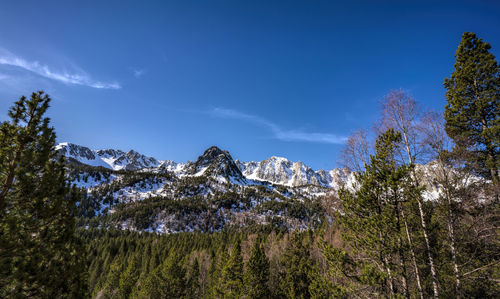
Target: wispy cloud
point(7, 58)
point(278, 132)
point(138, 73)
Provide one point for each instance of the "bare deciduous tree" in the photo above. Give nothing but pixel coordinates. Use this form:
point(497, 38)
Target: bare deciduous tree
point(403, 114)
point(356, 152)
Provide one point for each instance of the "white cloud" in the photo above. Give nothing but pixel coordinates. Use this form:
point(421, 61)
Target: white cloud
point(138, 73)
point(278, 132)
point(7, 58)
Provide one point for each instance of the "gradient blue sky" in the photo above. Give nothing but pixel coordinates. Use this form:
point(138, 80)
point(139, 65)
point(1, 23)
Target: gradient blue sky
point(258, 78)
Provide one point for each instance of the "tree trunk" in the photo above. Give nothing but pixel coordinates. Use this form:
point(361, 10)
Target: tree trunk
point(389, 274)
point(414, 259)
point(402, 258)
point(423, 223)
point(451, 232)
point(429, 253)
point(453, 251)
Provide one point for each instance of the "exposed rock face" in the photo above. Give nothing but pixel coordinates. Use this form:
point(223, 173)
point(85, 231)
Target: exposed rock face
point(73, 150)
point(213, 192)
point(214, 162)
point(282, 171)
point(109, 158)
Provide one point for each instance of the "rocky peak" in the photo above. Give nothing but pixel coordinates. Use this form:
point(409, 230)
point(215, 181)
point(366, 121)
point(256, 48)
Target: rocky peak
point(210, 155)
point(110, 153)
point(75, 151)
point(217, 162)
point(109, 158)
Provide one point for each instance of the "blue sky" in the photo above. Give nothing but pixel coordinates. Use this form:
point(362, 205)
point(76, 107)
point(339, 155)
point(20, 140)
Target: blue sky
point(258, 78)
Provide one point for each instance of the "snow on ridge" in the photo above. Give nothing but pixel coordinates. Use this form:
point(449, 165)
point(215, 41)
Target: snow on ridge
point(108, 158)
point(278, 170)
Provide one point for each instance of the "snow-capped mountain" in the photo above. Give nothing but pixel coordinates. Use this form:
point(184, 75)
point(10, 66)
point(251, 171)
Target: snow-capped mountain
point(282, 171)
point(108, 158)
point(131, 190)
point(214, 161)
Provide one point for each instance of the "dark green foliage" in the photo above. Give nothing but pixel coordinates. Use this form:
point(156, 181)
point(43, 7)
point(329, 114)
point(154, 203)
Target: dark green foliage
point(231, 281)
point(472, 114)
point(297, 265)
point(373, 234)
point(256, 275)
point(128, 278)
point(216, 270)
point(37, 206)
point(193, 282)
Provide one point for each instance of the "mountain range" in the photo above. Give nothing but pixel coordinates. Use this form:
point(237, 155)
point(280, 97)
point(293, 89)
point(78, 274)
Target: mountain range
point(129, 190)
point(276, 170)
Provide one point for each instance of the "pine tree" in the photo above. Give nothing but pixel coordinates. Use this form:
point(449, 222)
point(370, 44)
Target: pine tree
point(166, 281)
point(231, 282)
point(37, 243)
point(217, 262)
point(193, 283)
point(150, 286)
point(110, 288)
point(128, 279)
point(472, 114)
point(297, 267)
point(370, 217)
point(173, 275)
point(256, 277)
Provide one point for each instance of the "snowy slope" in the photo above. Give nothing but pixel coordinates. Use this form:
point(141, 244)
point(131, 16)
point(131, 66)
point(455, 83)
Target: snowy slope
point(213, 162)
point(109, 158)
point(282, 171)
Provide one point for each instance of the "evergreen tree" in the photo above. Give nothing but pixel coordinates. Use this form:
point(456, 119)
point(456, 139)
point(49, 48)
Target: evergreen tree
point(39, 253)
point(150, 286)
point(193, 283)
point(166, 281)
point(256, 277)
point(110, 288)
point(372, 227)
point(173, 275)
point(217, 264)
point(128, 279)
point(231, 283)
point(472, 114)
point(321, 287)
point(297, 267)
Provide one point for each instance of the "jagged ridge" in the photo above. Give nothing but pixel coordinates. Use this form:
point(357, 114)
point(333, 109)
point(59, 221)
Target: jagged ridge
point(215, 162)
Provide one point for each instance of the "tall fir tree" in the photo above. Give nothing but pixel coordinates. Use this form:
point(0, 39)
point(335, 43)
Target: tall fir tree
point(297, 265)
point(166, 281)
point(231, 281)
point(193, 282)
point(128, 279)
point(174, 276)
point(472, 114)
point(217, 262)
point(256, 276)
point(38, 246)
point(375, 257)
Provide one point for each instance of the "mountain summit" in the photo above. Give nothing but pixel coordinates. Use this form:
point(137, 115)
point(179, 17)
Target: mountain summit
point(213, 162)
point(216, 162)
point(108, 158)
